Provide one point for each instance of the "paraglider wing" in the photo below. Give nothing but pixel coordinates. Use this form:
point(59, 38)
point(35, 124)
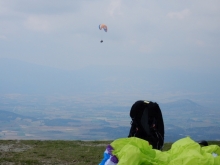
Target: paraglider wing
point(103, 26)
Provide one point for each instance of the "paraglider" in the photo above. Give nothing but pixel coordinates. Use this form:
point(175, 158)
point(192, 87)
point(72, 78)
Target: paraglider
point(104, 27)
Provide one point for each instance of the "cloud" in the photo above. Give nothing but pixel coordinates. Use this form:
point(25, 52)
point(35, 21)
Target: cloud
point(3, 37)
point(135, 28)
point(38, 23)
point(179, 15)
point(115, 8)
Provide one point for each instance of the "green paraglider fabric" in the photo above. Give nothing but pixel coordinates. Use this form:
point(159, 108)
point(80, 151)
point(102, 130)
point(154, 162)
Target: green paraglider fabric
point(135, 151)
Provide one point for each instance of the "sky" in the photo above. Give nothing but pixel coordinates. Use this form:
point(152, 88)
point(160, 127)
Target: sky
point(174, 35)
point(65, 34)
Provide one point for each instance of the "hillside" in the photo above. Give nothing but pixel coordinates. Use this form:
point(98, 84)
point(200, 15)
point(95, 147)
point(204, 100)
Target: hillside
point(23, 152)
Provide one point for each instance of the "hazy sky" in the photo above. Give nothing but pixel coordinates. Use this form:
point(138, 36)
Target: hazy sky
point(155, 34)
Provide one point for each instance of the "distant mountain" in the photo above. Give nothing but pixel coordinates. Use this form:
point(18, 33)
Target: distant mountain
point(182, 105)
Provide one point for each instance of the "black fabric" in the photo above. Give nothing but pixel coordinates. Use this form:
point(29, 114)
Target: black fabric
point(144, 120)
point(147, 123)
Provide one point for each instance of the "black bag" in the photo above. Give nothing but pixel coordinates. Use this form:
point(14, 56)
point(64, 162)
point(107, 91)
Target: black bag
point(147, 123)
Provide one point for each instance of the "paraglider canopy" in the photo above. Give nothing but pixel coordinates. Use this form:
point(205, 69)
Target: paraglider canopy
point(103, 26)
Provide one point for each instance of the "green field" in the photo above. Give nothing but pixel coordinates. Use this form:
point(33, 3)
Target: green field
point(51, 152)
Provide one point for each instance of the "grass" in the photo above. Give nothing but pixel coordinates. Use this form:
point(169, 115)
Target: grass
point(28, 152)
point(55, 152)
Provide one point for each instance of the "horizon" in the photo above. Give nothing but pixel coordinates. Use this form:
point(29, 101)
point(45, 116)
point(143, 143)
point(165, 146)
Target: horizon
point(116, 83)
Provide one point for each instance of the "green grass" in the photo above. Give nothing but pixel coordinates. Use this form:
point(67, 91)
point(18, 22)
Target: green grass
point(28, 152)
point(37, 152)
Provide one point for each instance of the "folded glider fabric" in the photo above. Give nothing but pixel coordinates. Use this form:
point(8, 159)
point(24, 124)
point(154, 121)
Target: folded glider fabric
point(135, 151)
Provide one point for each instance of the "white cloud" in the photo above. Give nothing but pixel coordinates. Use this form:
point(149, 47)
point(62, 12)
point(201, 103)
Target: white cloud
point(115, 8)
point(38, 23)
point(179, 15)
point(135, 27)
point(3, 37)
